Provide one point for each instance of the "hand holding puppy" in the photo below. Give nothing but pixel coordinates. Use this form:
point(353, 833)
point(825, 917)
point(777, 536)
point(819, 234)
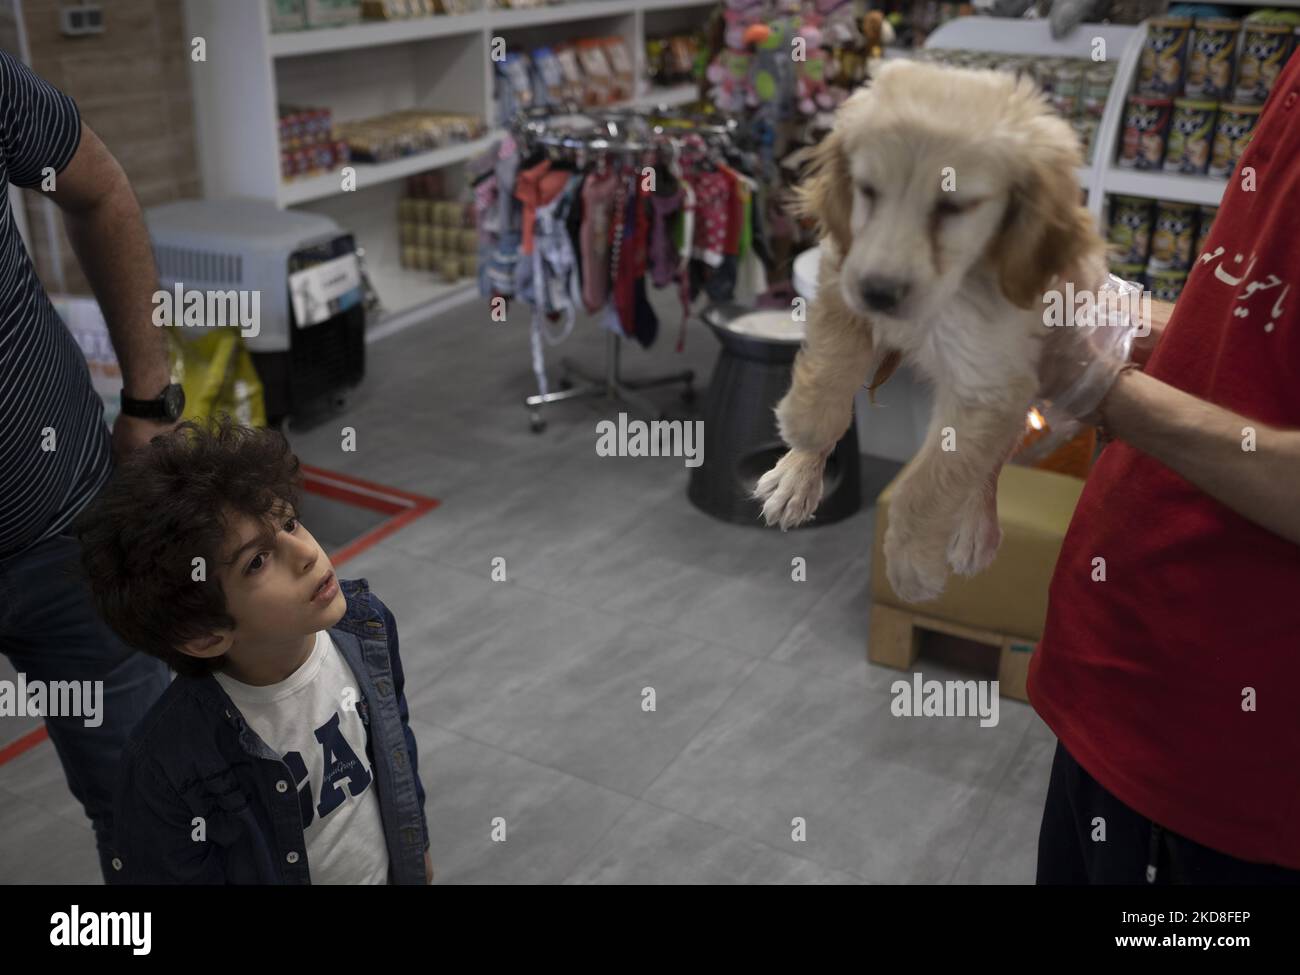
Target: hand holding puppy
point(1082, 359)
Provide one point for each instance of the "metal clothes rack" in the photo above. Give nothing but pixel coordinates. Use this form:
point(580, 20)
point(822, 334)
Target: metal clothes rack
point(611, 131)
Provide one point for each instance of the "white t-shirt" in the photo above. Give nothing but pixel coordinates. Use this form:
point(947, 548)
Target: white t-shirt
point(310, 718)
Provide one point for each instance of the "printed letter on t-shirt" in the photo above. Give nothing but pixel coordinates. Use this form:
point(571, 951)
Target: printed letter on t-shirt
point(341, 763)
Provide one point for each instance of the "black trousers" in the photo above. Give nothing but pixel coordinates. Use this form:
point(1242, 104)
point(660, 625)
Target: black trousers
point(1135, 851)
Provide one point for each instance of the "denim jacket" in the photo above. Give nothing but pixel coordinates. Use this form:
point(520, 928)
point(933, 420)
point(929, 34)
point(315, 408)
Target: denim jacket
point(193, 764)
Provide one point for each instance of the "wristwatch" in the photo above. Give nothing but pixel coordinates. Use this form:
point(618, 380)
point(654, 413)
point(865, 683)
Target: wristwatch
point(166, 406)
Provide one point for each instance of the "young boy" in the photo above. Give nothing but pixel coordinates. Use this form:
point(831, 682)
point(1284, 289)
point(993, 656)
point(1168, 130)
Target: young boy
point(282, 752)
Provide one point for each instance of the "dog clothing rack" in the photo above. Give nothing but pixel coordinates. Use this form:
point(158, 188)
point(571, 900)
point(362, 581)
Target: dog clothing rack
point(597, 135)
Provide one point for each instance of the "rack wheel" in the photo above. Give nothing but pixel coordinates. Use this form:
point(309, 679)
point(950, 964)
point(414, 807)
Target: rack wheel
point(536, 423)
point(566, 383)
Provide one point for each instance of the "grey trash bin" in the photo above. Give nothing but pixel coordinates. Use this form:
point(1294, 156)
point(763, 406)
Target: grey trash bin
point(741, 442)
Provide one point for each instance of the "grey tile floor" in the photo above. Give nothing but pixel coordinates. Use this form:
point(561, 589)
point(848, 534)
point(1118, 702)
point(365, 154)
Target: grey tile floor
point(526, 695)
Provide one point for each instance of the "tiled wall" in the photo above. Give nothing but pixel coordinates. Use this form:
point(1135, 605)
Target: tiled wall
point(132, 86)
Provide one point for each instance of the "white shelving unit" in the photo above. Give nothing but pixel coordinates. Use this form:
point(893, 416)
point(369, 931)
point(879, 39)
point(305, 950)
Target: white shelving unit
point(1124, 46)
point(434, 63)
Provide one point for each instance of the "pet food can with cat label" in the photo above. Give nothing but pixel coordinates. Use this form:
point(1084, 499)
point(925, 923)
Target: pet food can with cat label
point(1134, 271)
point(1232, 132)
point(1146, 123)
point(1130, 229)
point(1167, 284)
point(1212, 57)
point(1190, 133)
point(1160, 70)
point(1171, 237)
point(1264, 49)
point(1206, 216)
point(1096, 87)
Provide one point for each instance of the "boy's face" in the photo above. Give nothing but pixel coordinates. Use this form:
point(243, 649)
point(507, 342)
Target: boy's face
point(278, 582)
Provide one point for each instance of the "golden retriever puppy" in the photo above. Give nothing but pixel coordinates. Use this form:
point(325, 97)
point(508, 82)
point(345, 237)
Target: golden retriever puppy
point(949, 205)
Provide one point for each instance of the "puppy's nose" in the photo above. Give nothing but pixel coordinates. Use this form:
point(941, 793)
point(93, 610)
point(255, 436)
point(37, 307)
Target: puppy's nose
point(883, 294)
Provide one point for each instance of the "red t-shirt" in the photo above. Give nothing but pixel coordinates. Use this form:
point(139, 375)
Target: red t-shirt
point(1143, 676)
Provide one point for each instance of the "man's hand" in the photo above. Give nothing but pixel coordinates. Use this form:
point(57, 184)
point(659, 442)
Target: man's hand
point(132, 432)
point(428, 867)
point(1081, 360)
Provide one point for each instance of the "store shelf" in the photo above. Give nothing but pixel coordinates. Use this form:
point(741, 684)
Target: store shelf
point(368, 69)
point(286, 44)
point(405, 293)
point(372, 174)
point(1203, 190)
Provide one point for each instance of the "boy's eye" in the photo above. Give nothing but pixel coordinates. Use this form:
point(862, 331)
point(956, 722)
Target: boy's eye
point(291, 525)
point(257, 562)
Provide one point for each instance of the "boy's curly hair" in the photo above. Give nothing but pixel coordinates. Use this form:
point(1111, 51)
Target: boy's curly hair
point(168, 504)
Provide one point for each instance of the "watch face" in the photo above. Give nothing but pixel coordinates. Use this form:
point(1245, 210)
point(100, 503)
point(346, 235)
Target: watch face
point(174, 401)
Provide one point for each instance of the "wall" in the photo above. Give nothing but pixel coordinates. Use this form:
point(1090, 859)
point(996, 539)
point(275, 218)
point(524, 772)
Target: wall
point(132, 86)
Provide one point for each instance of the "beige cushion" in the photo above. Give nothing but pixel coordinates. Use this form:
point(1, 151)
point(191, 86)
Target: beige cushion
point(1010, 597)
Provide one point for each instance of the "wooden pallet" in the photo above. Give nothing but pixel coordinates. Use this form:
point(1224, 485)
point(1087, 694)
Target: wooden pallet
point(895, 641)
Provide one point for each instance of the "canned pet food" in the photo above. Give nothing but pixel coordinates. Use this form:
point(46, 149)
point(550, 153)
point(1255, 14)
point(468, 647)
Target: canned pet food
point(1085, 127)
point(1206, 216)
point(1067, 91)
point(1264, 49)
point(1146, 123)
point(1160, 70)
point(1211, 59)
point(1171, 240)
point(1232, 132)
point(1191, 131)
point(1130, 229)
point(1130, 271)
point(1096, 87)
point(1167, 284)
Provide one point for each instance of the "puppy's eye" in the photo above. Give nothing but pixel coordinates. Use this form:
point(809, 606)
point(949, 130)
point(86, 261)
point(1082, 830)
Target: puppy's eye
point(867, 190)
point(950, 208)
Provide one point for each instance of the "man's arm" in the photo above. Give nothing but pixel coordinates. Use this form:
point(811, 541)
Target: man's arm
point(1202, 442)
point(108, 234)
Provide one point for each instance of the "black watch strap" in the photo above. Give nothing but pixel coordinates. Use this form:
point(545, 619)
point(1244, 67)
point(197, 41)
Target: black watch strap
point(167, 406)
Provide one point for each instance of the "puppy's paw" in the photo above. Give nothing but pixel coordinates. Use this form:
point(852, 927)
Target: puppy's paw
point(791, 490)
point(974, 544)
point(915, 567)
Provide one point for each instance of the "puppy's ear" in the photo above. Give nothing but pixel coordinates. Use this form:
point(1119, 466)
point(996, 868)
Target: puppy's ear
point(826, 192)
point(1046, 232)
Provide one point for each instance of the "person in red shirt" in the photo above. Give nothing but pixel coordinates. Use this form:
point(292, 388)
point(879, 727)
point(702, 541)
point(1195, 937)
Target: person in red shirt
point(1169, 667)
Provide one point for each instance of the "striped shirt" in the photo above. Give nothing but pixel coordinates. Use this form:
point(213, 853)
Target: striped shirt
point(46, 399)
